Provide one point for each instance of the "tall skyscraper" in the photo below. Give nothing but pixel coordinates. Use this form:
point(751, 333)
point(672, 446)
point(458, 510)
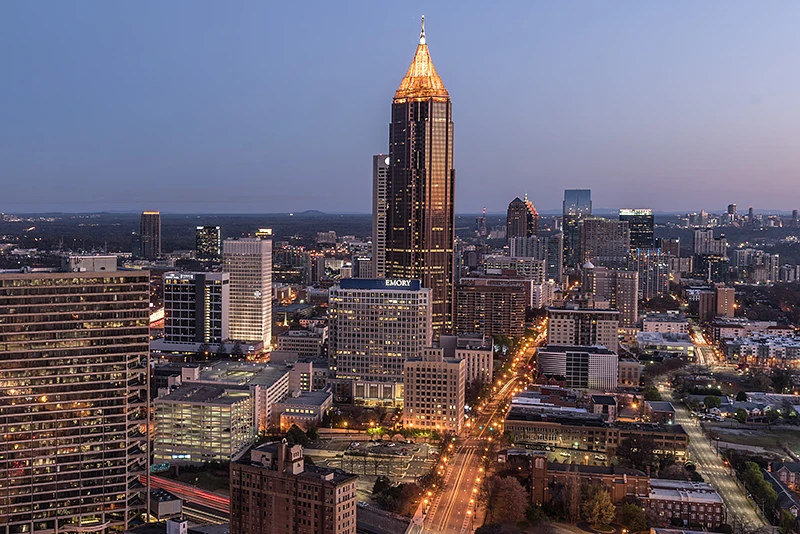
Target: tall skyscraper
point(375, 326)
point(380, 182)
point(604, 242)
point(419, 223)
point(208, 243)
point(196, 307)
point(577, 206)
point(150, 234)
point(795, 219)
point(75, 391)
point(642, 227)
point(249, 262)
point(522, 219)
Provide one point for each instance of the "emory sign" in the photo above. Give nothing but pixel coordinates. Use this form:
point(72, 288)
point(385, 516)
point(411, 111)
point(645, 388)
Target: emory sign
point(398, 283)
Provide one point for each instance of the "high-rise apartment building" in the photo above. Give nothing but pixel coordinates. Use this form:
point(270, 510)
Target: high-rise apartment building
point(604, 242)
point(619, 288)
point(705, 244)
point(548, 248)
point(726, 301)
point(248, 261)
point(641, 225)
point(275, 492)
point(419, 223)
point(374, 327)
point(528, 268)
point(491, 306)
point(208, 243)
point(196, 307)
point(595, 368)
point(74, 393)
point(577, 206)
point(583, 327)
point(380, 184)
point(522, 219)
point(150, 235)
point(434, 390)
point(653, 268)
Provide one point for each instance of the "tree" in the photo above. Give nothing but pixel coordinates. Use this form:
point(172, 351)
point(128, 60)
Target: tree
point(312, 433)
point(381, 484)
point(637, 451)
point(508, 500)
point(535, 514)
point(221, 351)
point(296, 436)
point(741, 415)
point(599, 509)
point(674, 472)
point(741, 396)
point(572, 500)
point(652, 394)
point(712, 401)
point(633, 517)
point(237, 349)
point(788, 522)
point(204, 349)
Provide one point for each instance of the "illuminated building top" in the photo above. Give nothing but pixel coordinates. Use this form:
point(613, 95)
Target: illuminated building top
point(421, 81)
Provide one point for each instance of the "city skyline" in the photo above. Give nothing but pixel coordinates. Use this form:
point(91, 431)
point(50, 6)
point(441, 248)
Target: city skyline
point(672, 100)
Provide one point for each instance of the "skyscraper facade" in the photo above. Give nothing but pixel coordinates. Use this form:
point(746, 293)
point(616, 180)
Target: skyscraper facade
point(249, 262)
point(419, 223)
point(548, 248)
point(75, 392)
point(577, 206)
point(641, 226)
point(150, 235)
point(605, 243)
point(380, 181)
point(196, 307)
point(208, 243)
point(522, 219)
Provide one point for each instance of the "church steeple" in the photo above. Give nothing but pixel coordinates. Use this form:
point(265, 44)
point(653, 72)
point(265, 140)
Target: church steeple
point(421, 81)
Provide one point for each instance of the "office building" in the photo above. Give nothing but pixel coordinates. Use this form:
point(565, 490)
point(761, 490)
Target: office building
point(380, 184)
point(434, 389)
point(630, 372)
point(705, 244)
point(200, 423)
point(543, 295)
point(548, 248)
point(670, 246)
point(619, 288)
point(274, 491)
point(795, 219)
point(670, 322)
point(577, 205)
point(605, 243)
point(248, 261)
point(419, 224)
point(522, 219)
point(726, 301)
point(306, 343)
point(583, 327)
point(374, 327)
point(196, 307)
point(594, 368)
point(208, 243)
point(528, 268)
point(491, 306)
point(304, 409)
point(150, 235)
point(653, 268)
point(75, 393)
point(685, 502)
point(477, 350)
point(641, 225)
point(666, 344)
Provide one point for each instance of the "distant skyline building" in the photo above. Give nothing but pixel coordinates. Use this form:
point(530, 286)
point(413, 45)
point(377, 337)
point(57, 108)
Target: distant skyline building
point(74, 352)
point(420, 229)
point(208, 243)
point(705, 244)
point(380, 183)
point(577, 205)
point(641, 225)
point(150, 235)
point(196, 307)
point(248, 260)
point(548, 248)
point(522, 219)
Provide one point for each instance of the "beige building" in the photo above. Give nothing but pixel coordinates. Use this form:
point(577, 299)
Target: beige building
point(619, 288)
point(475, 349)
point(274, 492)
point(666, 323)
point(528, 268)
point(491, 306)
point(249, 263)
point(585, 327)
point(726, 301)
point(304, 409)
point(630, 372)
point(306, 343)
point(74, 398)
point(434, 389)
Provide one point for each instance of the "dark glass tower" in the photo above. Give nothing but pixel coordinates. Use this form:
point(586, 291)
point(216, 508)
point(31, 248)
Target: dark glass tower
point(577, 206)
point(208, 243)
point(150, 235)
point(419, 226)
point(522, 219)
point(641, 226)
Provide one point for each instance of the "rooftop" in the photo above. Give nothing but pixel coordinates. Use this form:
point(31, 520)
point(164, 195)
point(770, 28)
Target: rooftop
point(594, 349)
point(680, 495)
point(421, 82)
point(665, 318)
point(661, 406)
point(206, 393)
point(242, 373)
point(608, 400)
point(308, 398)
point(654, 338)
point(597, 469)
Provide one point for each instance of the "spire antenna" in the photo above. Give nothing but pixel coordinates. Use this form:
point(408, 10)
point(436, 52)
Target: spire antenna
point(422, 33)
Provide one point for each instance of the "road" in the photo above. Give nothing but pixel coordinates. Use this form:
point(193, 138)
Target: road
point(203, 507)
point(453, 509)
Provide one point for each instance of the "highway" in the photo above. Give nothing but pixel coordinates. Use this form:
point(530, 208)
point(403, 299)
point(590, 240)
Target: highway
point(453, 508)
point(203, 507)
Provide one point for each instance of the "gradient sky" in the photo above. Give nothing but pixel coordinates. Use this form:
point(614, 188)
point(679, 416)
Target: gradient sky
point(207, 106)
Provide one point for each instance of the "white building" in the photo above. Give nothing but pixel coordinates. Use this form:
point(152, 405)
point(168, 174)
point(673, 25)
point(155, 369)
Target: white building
point(543, 294)
point(249, 263)
point(476, 349)
point(653, 342)
point(434, 389)
point(375, 325)
point(583, 327)
point(528, 268)
point(593, 368)
point(673, 323)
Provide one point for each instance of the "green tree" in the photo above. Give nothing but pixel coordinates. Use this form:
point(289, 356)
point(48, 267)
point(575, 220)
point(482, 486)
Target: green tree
point(599, 509)
point(297, 436)
point(637, 452)
point(741, 415)
point(507, 501)
point(652, 394)
point(674, 472)
point(788, 522)
point(237, 349)
point(712, 401)
point(741, 396)
point(535, 514)
point(312, 433)
point(221, 350)
point(633, 517)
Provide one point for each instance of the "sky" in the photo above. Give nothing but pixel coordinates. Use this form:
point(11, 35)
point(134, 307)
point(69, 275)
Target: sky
point(270, 107)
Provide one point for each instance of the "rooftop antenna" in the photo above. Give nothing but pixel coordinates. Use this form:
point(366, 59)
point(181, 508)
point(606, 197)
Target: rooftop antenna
point(422, 33)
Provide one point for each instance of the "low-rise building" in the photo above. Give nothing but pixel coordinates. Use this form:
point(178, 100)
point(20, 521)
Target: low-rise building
point(662, 412)
point(630, 372)
point(434, 389)
point(275, 487)
point(304, 409)
point(477, 350)
point(306, 343)
point(606, 406)
point(586, 327)
point(765, 351)
point(680, 345)
point(203, 423)
point(692, 503)
point(593, 368)
point(673, 323)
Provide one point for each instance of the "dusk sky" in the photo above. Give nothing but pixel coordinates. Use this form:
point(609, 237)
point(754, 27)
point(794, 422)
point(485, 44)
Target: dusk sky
point(200, 106)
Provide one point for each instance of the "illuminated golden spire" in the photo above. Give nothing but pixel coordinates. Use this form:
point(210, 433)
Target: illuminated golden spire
point(421, 81)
